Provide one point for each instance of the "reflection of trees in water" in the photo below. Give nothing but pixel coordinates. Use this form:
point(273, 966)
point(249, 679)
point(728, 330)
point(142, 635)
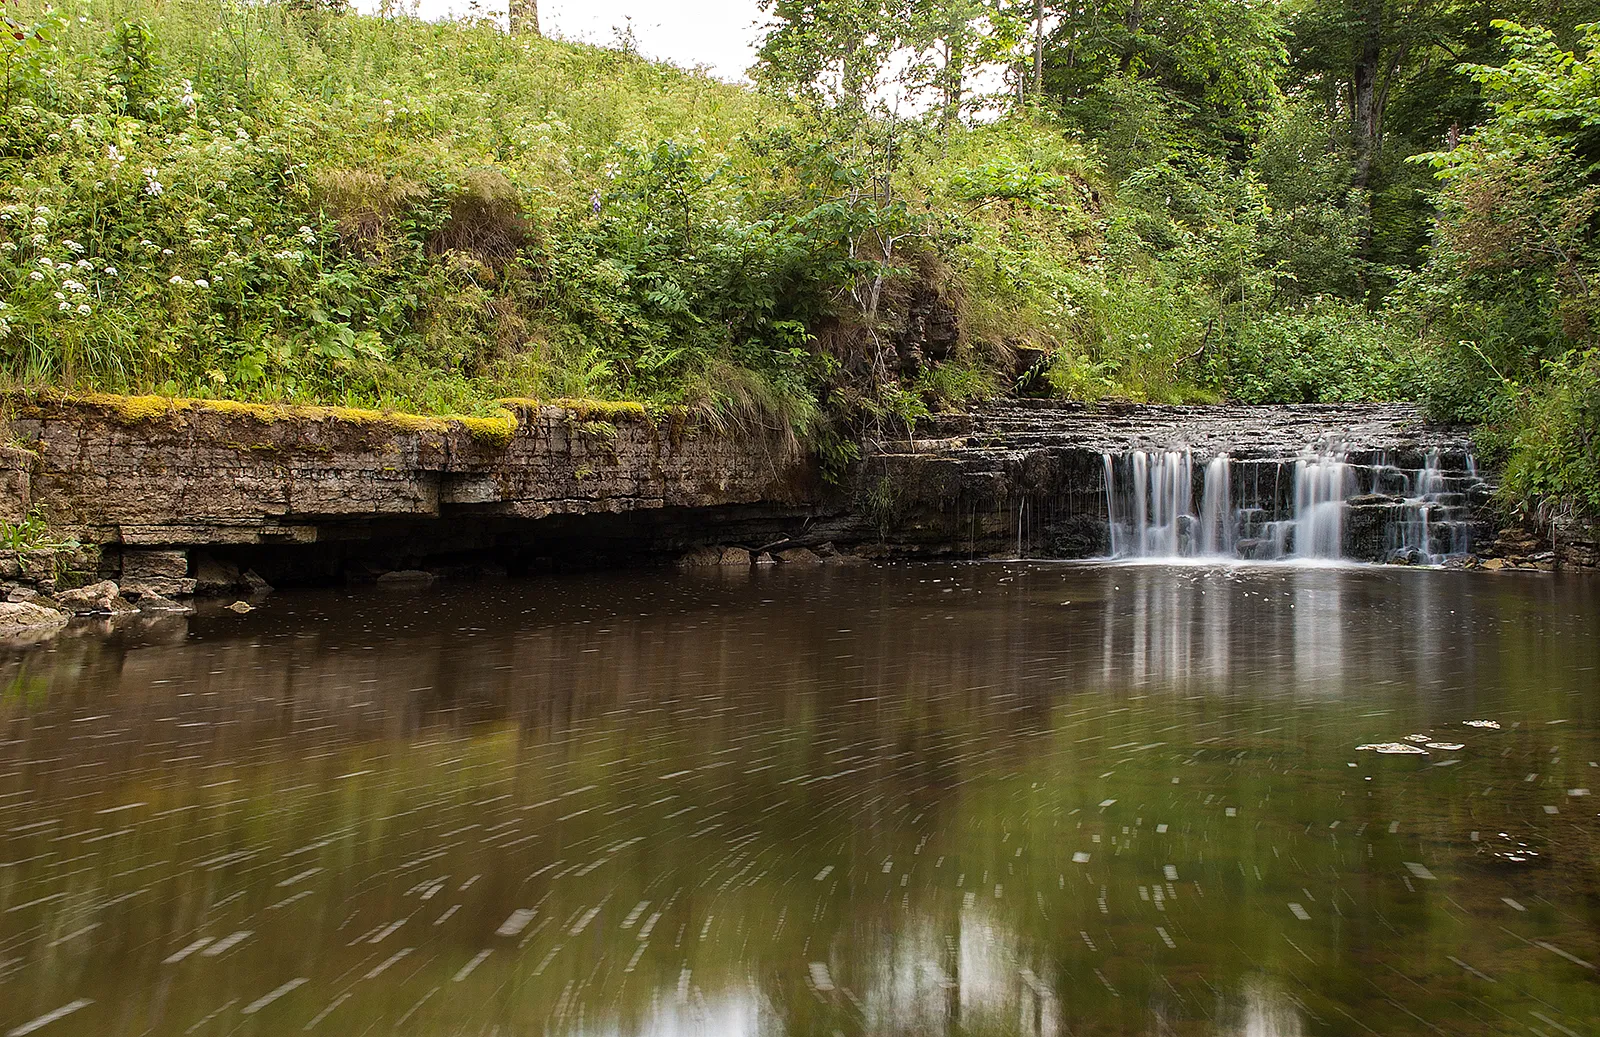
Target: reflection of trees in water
point(848, 730)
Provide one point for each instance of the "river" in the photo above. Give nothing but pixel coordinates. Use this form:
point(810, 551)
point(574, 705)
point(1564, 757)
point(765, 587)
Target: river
point(921, 799)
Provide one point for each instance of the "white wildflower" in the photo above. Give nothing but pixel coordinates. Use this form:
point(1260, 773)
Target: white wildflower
point(39, 241)
point(84, 264)
point(154, 189)
point(40, 222)
point(175, 279)
point(166, 252)
point(201, 282)
point(308, 235)
point(59, 296)
point(35, 276)
point(85, 309)
point(111, 271)
point(114, 153)
point(47, 262)
point(8, 246)
point(63, 307)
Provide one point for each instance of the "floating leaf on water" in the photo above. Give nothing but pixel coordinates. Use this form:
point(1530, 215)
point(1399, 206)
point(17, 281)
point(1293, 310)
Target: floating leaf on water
point(1505, 848)
point(1418, 738)
point(1493, 725)
point(1447, 746)
point(1393, 748)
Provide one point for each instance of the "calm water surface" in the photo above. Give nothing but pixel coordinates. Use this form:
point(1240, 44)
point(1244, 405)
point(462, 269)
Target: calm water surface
point(978, 799)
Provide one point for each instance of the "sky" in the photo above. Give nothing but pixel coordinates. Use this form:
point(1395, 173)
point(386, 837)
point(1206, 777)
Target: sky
point(720, 34)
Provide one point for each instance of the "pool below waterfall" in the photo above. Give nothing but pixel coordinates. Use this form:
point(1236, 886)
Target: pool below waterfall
point(1037, 798)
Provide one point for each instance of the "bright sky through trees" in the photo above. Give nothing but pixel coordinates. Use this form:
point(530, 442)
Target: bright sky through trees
point(719, 33)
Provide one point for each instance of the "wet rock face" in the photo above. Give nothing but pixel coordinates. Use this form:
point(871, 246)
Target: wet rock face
point(1031, 478)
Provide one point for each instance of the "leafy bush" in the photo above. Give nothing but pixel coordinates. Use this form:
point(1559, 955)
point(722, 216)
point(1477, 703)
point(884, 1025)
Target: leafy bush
point(1329, 351)
point(1553, 462)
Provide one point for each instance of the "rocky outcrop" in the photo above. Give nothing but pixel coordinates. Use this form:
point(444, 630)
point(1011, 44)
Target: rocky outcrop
point(15, 483)
point(172, 497)
point(150, 481)
point(1030, 478)
point(1565, 545)
point(198, 474)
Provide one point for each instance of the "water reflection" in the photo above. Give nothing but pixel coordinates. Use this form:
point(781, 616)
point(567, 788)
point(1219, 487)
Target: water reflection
point(924, 800)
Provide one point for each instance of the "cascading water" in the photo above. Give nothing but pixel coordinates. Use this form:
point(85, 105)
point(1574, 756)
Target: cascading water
point(1322, 505)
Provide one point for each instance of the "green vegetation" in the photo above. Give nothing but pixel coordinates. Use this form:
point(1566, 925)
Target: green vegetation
point(1315, 200)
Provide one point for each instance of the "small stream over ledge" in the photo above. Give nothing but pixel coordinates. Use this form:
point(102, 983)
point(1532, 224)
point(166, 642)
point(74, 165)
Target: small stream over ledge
point(1313, 483)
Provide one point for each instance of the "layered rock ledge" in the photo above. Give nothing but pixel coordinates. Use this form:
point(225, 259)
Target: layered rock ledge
point(146, 477)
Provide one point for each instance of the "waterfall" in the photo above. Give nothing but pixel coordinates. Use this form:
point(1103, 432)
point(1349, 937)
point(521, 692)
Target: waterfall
point(1322, 483)
point(1219, 533)
point(1320, 505)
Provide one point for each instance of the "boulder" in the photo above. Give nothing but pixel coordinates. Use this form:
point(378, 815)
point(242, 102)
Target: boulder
point(765, 559)
point(735, 557)
point(157, 586)
point(799, 556)
point(407, 576)
point(701, 557)
point(26, 617)
point(154, 565)
point(96, 597)
point(19, 593)
point(252, 582)
point(213, 576)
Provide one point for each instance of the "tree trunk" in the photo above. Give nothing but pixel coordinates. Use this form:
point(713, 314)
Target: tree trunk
point(1038, 47)
point(1366, 101)
point(1132, 23)
point(523, 17)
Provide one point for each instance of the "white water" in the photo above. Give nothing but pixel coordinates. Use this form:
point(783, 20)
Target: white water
point(1275, 510)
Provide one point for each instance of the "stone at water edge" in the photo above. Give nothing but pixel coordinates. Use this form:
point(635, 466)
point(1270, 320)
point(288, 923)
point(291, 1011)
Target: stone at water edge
point(102, 597)
point(799, 556)
point(241, 607)
point(18, 617)
point(723, 557)
point(701, 557)
point(407, 576)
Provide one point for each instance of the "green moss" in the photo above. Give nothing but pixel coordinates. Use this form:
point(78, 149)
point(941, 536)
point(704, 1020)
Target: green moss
point(136, 410)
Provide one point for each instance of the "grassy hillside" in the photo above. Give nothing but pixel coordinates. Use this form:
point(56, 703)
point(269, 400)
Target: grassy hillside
point(250, 202)
point(271, 202)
